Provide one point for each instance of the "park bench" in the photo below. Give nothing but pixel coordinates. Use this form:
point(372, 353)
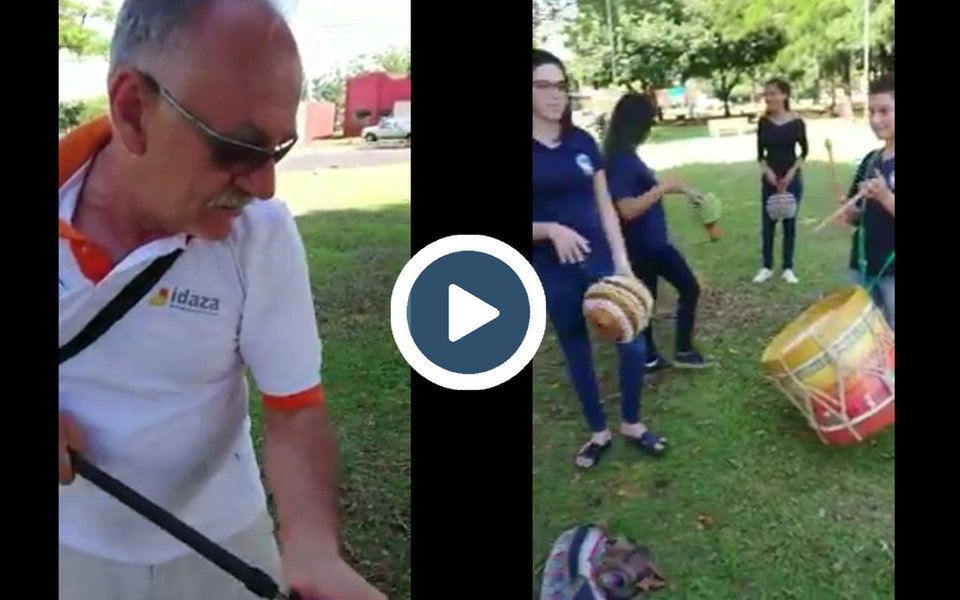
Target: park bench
point(729, 125)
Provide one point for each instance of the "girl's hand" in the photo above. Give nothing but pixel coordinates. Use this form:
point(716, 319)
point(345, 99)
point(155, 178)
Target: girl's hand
point(675, 186)
point(571, 247)
point(876, 188)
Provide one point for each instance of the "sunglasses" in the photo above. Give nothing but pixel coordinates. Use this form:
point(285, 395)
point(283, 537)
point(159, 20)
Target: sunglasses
point(228, 153)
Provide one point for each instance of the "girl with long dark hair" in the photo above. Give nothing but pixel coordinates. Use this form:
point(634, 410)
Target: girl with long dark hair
point(638, 197)
point(779, 132)
point(577, 240)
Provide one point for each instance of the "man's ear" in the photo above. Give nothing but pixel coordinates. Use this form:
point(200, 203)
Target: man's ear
point(127, 106)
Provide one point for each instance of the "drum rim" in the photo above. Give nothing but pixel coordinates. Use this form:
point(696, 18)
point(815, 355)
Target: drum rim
point(779, 354)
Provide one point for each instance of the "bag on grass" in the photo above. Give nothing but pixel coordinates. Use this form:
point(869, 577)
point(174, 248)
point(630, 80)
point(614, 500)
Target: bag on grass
point(586, 564)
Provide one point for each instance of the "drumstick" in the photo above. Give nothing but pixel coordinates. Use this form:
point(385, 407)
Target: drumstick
point(255, 580)
point(837, 190)
point(838, 212)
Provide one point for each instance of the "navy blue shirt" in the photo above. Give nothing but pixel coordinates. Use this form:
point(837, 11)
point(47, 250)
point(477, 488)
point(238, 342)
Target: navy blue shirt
point(879, 224)
point(563, 192)
point(777, 143)
point(629, 177)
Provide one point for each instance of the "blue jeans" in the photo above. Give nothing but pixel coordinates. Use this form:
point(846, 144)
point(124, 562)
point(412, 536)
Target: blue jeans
point(564, 286)
point(882, 294)
point(767, 232)
point(670, 264)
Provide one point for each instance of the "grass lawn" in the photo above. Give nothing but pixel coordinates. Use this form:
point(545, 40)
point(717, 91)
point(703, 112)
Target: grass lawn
point(674, 133)
point(748, 503)
point(356, 245)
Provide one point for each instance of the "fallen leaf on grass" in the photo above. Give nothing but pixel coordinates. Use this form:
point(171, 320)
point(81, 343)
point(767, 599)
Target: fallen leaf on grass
point(704, 522)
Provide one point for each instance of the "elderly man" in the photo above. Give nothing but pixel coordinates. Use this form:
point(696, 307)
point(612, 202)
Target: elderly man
point(203, 98)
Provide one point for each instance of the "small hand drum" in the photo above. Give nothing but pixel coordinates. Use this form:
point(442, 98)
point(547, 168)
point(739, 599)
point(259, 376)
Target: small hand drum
point(781, 206)
point(618, 308)
point(708, 210)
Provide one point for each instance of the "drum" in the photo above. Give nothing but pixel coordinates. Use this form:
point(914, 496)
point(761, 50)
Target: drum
point(617, 308)
point(781, 206)
point(836, 365)
point(708, 209)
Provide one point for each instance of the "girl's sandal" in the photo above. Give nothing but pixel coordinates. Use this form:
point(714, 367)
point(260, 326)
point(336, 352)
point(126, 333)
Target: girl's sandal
point(649, 443)
point(590, 453)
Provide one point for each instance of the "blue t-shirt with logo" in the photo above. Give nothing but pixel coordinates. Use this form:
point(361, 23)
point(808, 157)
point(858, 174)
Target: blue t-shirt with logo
point(563, 192)
point(874, 218)
point(628, 177)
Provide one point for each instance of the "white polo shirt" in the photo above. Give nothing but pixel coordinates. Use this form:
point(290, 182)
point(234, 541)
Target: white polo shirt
point(162, 396)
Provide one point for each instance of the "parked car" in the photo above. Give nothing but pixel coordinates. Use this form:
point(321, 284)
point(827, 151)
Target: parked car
point(389, 128)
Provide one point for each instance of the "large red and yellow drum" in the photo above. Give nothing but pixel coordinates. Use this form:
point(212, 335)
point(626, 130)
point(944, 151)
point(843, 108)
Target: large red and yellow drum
point(836, 364)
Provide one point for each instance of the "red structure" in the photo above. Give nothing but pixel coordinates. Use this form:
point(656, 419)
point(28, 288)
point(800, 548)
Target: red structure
point(320, 120)
point(370, 97)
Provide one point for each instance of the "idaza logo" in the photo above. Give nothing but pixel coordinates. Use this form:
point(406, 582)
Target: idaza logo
point(185, 299)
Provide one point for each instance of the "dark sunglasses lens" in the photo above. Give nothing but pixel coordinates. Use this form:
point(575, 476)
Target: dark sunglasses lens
point(233, 157)
point(236, 157)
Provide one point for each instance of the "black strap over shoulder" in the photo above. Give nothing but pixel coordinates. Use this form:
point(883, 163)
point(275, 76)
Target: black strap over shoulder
point(128, 297)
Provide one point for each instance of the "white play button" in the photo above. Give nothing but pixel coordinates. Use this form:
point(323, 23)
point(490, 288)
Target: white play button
point(466, 313)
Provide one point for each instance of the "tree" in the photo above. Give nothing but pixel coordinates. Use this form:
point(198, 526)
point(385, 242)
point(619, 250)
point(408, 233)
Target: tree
point(329, 87)
point(548, 15)
point(76, 34)
point(650, 41)
point(394, 60)
point(726, 60)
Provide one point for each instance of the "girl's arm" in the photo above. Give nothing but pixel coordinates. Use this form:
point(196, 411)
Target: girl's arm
point(611, 224)
point(804, 151)
point(542, 230)
point(631, 208)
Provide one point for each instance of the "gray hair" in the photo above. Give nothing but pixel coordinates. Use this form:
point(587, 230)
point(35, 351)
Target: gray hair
point(149, 25)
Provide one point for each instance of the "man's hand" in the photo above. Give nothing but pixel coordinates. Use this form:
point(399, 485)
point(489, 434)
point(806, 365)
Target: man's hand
point(571, 247)
point(327, 579)
point(70, 437)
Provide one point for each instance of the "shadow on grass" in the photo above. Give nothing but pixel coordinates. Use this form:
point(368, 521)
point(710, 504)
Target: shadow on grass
point(748, 502)
point(354, 257)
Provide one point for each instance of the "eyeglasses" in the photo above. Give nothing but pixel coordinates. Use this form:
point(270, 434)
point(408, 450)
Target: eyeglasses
point(561, 86)
point(228, 153)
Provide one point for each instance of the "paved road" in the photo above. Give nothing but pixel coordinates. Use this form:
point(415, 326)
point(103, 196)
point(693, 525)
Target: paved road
point(344, 157)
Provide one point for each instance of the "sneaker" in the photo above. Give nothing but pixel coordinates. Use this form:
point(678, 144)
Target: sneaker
point(763, 275)
point(789, 276)
point(656, 363)
point(690, 360)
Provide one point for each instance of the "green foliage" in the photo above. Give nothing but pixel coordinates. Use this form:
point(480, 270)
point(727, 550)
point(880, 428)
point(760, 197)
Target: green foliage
point(728, 42)
point(331, 86)
point(76, 33)
point(394, 60)
point(75, 112)
point(70, 113)
point(727, 60)
point(650, 37)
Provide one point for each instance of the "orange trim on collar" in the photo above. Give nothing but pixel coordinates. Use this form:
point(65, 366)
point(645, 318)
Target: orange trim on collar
point(76, 148)
point(79, 146)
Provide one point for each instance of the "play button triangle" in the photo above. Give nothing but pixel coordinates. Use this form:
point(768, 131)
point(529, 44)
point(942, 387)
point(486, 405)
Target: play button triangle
point(466, 313)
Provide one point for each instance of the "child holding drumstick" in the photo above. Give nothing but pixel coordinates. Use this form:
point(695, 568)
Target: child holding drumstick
point(872, 252)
